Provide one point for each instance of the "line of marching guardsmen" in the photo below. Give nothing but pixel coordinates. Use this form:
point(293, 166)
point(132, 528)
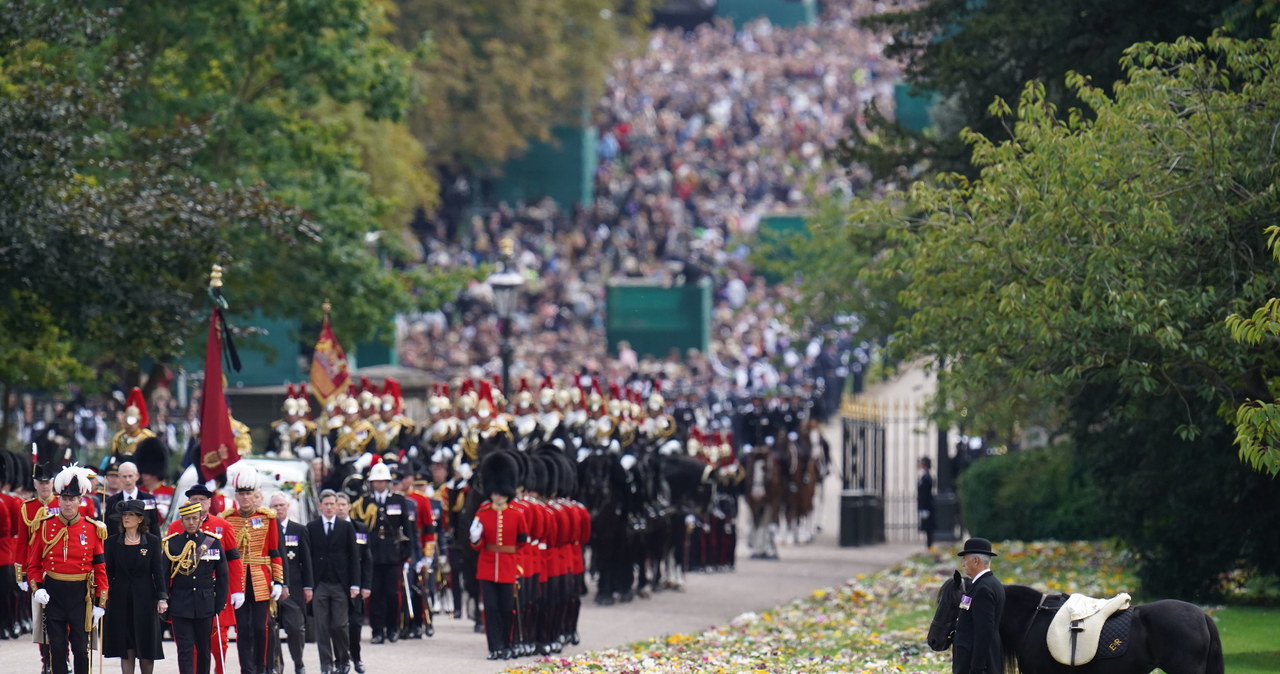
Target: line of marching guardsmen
point(628, 475)
point(484, 508)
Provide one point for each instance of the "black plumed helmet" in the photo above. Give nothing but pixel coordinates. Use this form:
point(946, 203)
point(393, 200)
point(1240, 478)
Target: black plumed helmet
point(498, 474)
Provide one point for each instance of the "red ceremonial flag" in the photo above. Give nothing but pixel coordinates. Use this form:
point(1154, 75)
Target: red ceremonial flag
point(329, 371)
point(217, 445)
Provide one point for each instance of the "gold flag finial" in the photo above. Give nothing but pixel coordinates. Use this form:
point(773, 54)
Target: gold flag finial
point(325, 307)
point(215, 276)
point(507, 246)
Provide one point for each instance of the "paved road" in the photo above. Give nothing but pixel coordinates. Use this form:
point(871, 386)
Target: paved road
point(708, 599)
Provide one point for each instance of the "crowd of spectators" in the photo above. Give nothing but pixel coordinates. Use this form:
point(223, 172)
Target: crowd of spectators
point(700, 136)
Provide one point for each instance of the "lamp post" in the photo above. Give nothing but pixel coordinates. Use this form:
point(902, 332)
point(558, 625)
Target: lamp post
point(506, 285)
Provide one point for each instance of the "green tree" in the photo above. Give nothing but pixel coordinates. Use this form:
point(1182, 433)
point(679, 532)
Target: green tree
point(144, 144)
point(969, 53)
point(1087, 273)
point(501, 74)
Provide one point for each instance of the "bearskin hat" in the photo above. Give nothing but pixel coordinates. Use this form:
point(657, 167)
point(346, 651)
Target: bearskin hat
point(499, 474)
point(152, 458)
point(547, 472)
point(535, 474)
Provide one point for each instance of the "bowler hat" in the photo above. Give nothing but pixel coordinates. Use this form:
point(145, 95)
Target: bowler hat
point(198, 489)
point(131, 507)
point(977, 546)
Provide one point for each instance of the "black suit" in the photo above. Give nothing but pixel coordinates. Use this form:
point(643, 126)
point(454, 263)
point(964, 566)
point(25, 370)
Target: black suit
point(366, 582)
point(924, 505)
point(152, 516)
point(977, 641)
point(295, 547)
point(335, 562)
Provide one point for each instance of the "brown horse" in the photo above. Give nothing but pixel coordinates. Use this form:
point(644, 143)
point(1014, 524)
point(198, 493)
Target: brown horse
point(804, 476)
point(765, 488)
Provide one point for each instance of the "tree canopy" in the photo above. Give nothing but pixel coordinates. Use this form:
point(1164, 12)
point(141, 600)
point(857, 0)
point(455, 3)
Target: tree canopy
point(1084, 277)
point(967, 54)
point(144, 143)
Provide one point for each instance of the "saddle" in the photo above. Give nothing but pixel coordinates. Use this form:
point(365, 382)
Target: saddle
point(1075, 629)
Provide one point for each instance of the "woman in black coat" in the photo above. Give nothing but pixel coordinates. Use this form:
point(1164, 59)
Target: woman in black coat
point(139, 594)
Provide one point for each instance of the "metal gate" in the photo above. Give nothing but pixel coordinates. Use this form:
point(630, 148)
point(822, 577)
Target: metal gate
point(882, 443)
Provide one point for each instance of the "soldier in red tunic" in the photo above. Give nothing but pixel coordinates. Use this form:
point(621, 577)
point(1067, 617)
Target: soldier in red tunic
point(67, 573)
point(258, 537)
point(498, 531)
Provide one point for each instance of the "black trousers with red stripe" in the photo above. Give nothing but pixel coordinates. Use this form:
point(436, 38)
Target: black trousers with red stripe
point(251, 634)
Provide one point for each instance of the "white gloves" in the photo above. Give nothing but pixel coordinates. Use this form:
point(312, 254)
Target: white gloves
point(464, 470)
point(22, 585)
point(628, 461)
point(364, 461)
point(237, 599)
point(306, 453)
point(477, 528)
point(41, 596)
point(276, 589)
point(424, 564)
point(98, 612)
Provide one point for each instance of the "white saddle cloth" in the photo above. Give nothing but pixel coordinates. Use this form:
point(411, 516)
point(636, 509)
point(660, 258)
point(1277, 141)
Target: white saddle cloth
point(1091, 614)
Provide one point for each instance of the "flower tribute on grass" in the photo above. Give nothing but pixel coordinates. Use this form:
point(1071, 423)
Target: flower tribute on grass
point(873, 623)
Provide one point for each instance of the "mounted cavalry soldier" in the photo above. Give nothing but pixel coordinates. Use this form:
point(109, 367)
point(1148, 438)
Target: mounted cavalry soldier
point(258, 539)
point(198, 579)
point(395, 431)
point(67, 573)
point(293, 435)
point(125, 442)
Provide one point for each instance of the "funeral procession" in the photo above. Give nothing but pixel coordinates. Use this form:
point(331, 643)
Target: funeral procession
point(639, 336)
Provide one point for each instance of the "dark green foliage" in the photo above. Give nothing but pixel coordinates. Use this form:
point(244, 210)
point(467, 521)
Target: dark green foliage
point(1036, 494)
point(971, 53)
point(1191, 509)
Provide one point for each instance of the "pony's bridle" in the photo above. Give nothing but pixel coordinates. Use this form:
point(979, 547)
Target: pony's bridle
point(933, 623)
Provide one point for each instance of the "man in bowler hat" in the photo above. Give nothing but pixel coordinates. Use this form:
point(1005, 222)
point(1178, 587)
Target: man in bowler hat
point(977, 648)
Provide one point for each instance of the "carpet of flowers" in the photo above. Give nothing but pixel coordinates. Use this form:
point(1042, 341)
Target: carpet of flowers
point(872, 623)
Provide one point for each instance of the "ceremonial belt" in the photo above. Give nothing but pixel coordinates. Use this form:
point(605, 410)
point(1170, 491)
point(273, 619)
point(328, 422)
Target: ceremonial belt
point(255, 559)
point(88, 592)
point(491, 547)
point(70, 577)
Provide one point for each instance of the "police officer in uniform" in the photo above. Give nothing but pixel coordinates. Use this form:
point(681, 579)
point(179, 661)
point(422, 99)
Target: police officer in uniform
point(198, 581)
point(391, 528)
point(67, 571)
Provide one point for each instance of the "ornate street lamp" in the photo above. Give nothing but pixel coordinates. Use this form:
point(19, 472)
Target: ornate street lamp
point(506, 284)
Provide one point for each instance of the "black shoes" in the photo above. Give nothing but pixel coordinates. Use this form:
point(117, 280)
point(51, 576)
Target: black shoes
point(495, 655)
point(359, 665)
point(393, 636)
point(377, 639)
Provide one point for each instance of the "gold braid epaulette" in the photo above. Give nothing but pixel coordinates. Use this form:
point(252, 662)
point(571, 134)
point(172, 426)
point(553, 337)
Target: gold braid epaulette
point(184, 562)
point(102, 528)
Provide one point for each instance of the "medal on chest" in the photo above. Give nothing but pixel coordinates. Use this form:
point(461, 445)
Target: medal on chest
point(966, 602)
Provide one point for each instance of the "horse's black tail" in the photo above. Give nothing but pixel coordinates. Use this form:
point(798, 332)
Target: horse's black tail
point(1213, 664)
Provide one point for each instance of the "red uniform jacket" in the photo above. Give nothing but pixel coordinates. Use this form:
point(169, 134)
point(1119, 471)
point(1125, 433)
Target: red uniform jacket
point(505, 532)
point(258, 537)
point(576, 564)
point(67, 551)
point(426, 518)
point(32, 512)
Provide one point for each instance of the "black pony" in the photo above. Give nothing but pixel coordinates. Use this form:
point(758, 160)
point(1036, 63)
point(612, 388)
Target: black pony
point(1173, 635)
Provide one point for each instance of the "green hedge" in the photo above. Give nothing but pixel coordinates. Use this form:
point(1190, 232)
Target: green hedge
point(1034, 494)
